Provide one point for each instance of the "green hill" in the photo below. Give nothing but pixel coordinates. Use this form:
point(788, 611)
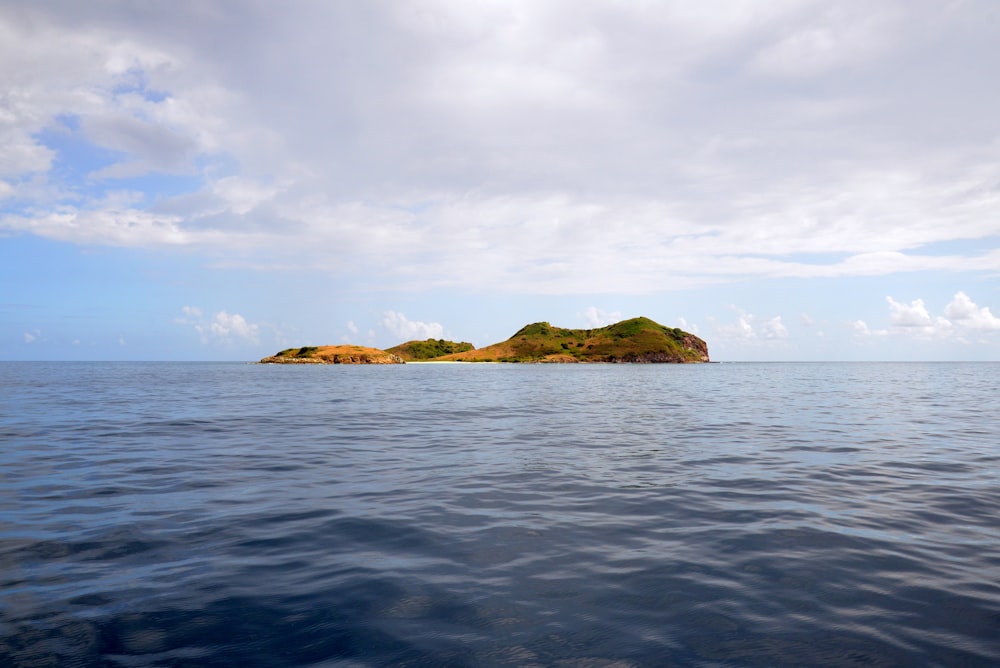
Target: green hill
point(429, 349)
point(635, 340)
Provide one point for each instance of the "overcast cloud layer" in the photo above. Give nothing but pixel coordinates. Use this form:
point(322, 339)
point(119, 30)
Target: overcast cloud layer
point(511, 147)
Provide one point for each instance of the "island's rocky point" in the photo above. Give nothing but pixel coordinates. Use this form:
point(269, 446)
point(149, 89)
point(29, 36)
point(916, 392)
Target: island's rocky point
point(638, 340)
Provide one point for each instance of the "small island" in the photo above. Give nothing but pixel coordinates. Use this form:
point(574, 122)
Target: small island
point(333, 355)
point(634, 341)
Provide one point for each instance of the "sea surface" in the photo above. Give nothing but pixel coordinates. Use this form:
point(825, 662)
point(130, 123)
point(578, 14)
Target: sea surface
point(597, 516)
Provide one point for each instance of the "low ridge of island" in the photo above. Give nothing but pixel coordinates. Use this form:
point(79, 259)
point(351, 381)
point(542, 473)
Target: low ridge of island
point(333, 355)
point(638, 340)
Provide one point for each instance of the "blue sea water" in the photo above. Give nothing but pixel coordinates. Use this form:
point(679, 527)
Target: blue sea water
point(596, 516)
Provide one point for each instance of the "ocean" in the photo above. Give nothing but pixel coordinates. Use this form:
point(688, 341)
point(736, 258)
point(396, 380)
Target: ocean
point(597, 516)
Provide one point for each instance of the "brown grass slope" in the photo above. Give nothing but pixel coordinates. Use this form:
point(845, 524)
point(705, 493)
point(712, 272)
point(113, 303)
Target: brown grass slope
point(638, 340)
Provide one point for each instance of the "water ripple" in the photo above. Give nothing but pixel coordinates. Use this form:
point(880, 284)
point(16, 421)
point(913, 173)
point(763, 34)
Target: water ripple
point(499, 515)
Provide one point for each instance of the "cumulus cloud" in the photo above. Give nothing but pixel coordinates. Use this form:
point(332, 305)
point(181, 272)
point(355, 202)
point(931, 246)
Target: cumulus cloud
point(407, 330)
point(595, 317)
point(914, 318)
point(31, 337)
point(964, 312)
point(223, 327)
point(748, 326)
point(232, 325)
point(962, 317)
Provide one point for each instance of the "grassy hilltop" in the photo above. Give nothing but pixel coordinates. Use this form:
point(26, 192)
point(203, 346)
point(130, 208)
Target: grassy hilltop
point(637, 340)
point(429, 349)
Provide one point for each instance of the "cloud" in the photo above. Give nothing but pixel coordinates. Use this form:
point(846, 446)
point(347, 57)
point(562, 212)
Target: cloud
point(227, 326)
point(595, 317)
point(352, 332)
point(31, 337)
point(223, 327)
point(964, 312)
point(687, 326)
point(774, 328)
point(861, 328)
point(964, 317)
point(749, 327)
point(542, 148)
point(914, 318)
point(149, 146)
point(400, 326)
point(833, 38)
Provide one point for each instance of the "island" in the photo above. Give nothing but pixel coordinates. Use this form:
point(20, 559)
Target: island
point(333, 355)
point(636, 341)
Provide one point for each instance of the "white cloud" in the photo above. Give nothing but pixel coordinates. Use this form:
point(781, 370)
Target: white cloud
point(774, 328)
point(242, 195)
point(964, 312)
point(687, 326)
point(353, 332)
point(914, 318)
point(741, 329)
point(227, 326)
point(749, 327)
point(963, 316)
point(595, 317)
point(861, 328)
point(31, 337)
point(913, 315)
point(223, 327)
point(407, 330)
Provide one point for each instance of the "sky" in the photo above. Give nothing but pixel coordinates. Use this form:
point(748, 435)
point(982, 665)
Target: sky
point(222, 179)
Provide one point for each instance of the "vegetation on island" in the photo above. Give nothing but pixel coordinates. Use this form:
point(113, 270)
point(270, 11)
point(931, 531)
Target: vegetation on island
point(429, 349)
point(638, 340)
point(333, 355)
